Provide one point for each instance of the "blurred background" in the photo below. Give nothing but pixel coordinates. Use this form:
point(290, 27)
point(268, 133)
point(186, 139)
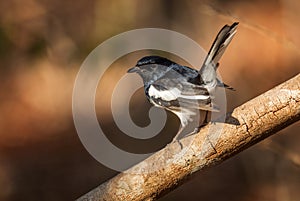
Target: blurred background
point(42, 45)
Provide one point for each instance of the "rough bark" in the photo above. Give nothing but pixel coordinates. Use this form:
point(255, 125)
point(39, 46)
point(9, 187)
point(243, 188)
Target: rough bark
point(246, 125)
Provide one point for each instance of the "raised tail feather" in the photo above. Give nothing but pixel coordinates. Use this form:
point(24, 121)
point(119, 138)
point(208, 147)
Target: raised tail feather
point(216, 51)
point(221, 42)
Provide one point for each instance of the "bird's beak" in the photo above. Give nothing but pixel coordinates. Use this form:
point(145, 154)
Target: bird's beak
point(133, 70)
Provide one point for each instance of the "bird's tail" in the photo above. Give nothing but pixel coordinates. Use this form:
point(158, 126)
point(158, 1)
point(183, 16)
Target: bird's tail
point(221, 42)
point(217, 49)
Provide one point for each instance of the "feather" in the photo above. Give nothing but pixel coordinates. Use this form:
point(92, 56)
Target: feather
point(221, 42)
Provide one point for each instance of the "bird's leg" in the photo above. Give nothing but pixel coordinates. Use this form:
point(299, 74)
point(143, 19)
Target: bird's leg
point(204, 123)
point(177, 135)
point(196, 130)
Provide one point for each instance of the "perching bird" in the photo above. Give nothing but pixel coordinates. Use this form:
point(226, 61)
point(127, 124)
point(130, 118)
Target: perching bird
point(181, 89)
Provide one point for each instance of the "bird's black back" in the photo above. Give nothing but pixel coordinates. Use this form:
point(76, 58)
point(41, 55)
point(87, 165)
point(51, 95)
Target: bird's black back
point(154, 60)
point(190, 74)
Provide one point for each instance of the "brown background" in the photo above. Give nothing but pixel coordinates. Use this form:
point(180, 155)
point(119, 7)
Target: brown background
point(42, 45)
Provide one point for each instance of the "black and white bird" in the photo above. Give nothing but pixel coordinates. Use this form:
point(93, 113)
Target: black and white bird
point(181, 89)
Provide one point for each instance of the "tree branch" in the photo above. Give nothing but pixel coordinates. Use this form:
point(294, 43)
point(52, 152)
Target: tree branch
point(169, 167)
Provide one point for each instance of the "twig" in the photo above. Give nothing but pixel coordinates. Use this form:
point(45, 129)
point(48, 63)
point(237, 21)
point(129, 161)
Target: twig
point(171, 166)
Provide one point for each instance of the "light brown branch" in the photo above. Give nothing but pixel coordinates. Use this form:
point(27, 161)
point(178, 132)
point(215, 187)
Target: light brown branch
point(168, 168)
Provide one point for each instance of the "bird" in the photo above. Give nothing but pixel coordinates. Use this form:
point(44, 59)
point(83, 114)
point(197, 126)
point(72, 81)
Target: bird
point(181, 89)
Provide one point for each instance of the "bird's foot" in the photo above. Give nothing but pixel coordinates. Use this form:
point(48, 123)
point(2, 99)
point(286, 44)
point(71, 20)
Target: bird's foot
point(196, 130)
point(175, 140)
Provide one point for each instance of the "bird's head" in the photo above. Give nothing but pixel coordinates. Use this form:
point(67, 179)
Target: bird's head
point(151, 68)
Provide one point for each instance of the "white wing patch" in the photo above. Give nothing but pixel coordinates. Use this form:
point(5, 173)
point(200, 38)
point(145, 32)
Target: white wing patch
point(167, 95)
point(173, 94)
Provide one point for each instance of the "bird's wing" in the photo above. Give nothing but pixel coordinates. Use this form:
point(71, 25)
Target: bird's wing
point(179, 93)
